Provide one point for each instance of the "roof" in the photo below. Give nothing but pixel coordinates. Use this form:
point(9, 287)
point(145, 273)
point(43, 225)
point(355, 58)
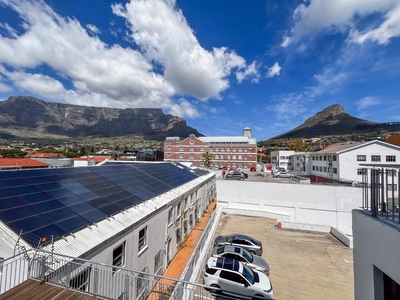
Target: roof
point(57, 202)
point(22, 162)
point(48, 155)
point(343, 147)
point(96, 159)
point(230, 139)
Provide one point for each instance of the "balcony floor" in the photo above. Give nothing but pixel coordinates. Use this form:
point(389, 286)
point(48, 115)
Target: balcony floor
point(35, 290)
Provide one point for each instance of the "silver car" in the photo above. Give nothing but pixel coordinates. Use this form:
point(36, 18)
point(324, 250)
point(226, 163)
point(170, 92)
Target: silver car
point(283, 175)
point(247, 242)
point(253, 261)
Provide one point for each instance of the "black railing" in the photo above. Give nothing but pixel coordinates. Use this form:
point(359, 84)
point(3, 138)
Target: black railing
point(380, 192)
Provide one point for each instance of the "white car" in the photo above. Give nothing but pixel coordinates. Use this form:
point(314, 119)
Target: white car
point(231, 277)
point(283, 175)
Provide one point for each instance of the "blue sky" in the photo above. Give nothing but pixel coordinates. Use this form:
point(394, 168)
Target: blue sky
point(222, 65)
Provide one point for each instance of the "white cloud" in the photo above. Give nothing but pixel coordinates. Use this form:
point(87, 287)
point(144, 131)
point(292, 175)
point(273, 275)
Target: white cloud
point(165, 37)
point(11, 31)
point(93, 29)
point(250, 70)
point(274, 70)
point(313, 16)
point(366, 103)
point(4, 88)
point(110, 75)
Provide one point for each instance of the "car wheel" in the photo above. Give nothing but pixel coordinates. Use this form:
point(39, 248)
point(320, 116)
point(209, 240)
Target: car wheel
point(215, 291)
point(277, 176)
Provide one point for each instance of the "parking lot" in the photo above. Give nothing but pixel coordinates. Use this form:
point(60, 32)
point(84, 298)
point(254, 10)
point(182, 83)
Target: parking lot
point(303, 265)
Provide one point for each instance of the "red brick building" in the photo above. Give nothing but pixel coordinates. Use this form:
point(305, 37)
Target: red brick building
point(234, 151)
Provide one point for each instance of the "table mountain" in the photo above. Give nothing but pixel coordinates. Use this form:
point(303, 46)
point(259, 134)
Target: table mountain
point(29, 117)
point(334, 120)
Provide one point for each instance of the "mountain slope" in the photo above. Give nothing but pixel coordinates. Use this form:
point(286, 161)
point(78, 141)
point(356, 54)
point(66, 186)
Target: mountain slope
point(22, 116)
point(333, 120)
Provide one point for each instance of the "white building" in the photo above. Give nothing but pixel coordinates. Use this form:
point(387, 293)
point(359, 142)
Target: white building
point(376, 243)
point(282, 159)
point(346, 161)
point(299, 162)
point(91, 212)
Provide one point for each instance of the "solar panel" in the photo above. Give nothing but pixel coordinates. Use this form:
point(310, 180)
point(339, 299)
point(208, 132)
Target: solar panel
point(55, 202)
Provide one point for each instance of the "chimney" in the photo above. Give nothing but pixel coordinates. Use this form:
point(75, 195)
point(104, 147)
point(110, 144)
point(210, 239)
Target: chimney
point(247, 132)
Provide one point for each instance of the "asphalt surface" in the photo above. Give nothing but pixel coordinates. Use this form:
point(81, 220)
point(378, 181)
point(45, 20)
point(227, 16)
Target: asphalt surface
point(303, 265)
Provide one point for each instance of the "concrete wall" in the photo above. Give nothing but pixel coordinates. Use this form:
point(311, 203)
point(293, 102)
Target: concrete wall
point(312, 204)
point(376, 251)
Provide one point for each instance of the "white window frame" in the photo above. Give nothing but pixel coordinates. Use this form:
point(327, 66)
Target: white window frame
point(142, 241)
point(119, 259)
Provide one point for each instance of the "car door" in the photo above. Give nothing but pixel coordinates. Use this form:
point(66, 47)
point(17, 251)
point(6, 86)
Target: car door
point(233, 283)
point(242, 243)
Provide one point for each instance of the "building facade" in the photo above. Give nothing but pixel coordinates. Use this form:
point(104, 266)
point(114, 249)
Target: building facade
point(230, 152)
point(346, 161)
point(282, 159)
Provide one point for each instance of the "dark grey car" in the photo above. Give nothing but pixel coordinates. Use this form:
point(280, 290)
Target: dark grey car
point(247, 242)
point(253, 261)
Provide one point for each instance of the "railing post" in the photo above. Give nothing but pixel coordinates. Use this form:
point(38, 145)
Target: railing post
point(126, 287)
point(96, 281)
point(68, 271)
point(374, 190)
point(42, 268)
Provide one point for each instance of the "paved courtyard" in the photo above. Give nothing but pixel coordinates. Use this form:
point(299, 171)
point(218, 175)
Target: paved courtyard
point(303, 265)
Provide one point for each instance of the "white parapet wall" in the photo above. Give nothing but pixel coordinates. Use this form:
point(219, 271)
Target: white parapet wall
point(324, 205)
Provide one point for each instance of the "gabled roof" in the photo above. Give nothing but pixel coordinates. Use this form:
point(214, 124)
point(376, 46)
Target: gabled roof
point(344, 147)
point(22, 162)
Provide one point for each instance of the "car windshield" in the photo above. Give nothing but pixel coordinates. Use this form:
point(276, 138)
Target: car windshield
point(229, 238)
point(248, 274)
point(247, 255)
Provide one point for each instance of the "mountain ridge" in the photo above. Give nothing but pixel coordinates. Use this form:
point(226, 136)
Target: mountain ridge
point(25, 116)
point(334, 120)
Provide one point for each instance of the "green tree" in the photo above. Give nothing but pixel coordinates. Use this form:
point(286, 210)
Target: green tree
point(299, 146)
point(12, 153)
point(207, 158)
point(82, 151)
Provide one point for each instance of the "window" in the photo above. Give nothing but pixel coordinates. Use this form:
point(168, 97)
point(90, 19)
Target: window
point(234, 149)
point(375, 158)
point(119, 257)
point(240, 149)
point(324, 157)
point(216, 148)
point(191, 156)
point(390, 158)
point(178, 236)
point(211, 148)
point(361, 171)
point(191, 221)
point(316, 158)
point(185, 227)
point(178, 210)
point(169, 154)
point(222, 156)
point(169, 147)
point(325, 169)
point(392, 187)
point(361, 158)
point(180, 155)
point(313, 167)
point(320, 169)
point(170, 216)
point(229, 156)
point(191, 148)
point(281, 157)
point(228, 149)
point(191, 142)
point(158, 259)
point(391, 172)
point(186, 202)
point(216, 156)
point(320, 157)
point(334, 170)
point(222, 148)
point(181, 149)
point(202, 149)
point(240, 156)
point(313, 158)
point(142, 238)
point(81, 281)
point(142, 285)
point(233, 156)
point(334, 157)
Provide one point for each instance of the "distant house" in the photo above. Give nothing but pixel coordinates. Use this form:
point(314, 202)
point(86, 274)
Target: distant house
point(282, 159)
point(21, 163)
point(88, 161)
point(48, 155)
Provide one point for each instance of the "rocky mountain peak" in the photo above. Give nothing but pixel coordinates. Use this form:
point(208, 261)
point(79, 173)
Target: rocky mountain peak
point(329, 112)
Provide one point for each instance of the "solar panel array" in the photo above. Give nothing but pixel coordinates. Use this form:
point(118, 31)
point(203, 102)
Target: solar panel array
point(42, 203)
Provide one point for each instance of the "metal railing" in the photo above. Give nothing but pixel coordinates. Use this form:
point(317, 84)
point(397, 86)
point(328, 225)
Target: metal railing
point(380, 195)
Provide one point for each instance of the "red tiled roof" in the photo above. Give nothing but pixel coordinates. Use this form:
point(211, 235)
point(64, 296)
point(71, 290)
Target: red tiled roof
point(96, 159)
point(21, 162)
point(49, 155)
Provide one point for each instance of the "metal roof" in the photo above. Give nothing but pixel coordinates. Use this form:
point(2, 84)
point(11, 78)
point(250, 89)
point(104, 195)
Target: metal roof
point(338, 148)
point(88, 238)
point(228, 139)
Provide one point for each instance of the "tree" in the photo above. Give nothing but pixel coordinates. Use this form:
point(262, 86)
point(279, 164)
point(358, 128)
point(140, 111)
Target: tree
point(207, 158)
point(299, 146)
point(12, 153)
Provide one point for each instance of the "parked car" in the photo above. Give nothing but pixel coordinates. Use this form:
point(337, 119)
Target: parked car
point(238, 253)
point(229, 276)
point(253, 169)
point(283, 175)
point(247, 242)
point(236, 175)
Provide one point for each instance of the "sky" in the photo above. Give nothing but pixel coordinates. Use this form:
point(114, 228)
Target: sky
point(221, 65)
